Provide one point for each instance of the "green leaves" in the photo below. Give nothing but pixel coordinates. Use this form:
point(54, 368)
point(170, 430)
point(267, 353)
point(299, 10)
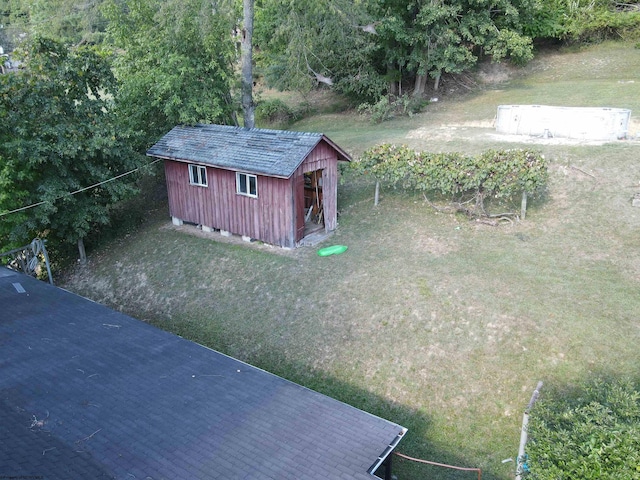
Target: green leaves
point(589, 433)
point(59, 135)
point(303, 42)
point(495, 173)
point(175, 63)
point(436, 37)
point(510, 44)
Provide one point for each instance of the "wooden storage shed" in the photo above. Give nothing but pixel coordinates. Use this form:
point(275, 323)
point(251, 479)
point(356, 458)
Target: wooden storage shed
point(270, 185)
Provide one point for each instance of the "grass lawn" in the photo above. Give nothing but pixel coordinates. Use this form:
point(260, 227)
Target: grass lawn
point(435, 322)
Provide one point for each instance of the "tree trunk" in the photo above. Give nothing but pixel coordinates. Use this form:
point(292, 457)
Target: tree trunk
point(81, 251)
point(436, 82)
point(421, 82)
point(248, 106)
point(393, 86)
point(376, 197)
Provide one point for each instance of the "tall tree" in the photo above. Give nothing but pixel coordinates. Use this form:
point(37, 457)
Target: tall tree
point(59, 136)
point(431, 37)
point(176, 63)
point(306, 43)
point(248, 106)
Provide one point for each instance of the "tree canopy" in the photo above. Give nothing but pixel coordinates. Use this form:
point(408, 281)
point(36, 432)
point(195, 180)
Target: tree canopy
point(429, 38)
point(368, 48)
point(72, 22)
point(588, 432)
point(58, 136)
point(306, 43)
point(175, 63)
point(364, 49)
point(467, 181)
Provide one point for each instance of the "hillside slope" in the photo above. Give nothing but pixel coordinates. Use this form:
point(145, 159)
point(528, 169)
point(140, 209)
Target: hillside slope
point(432, 321)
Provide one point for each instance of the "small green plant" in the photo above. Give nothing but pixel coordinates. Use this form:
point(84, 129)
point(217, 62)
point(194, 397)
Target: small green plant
point(511, 45)
point(385, 109)
point(378, 112)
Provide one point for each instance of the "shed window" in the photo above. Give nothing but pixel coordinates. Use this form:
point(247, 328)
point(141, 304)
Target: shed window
point(247, 184)
point(198, 175)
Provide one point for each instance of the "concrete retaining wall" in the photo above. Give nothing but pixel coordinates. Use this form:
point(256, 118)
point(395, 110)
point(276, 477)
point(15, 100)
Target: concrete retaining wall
point(588, 123)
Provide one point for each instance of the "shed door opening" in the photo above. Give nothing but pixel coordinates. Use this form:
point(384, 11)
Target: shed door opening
point(313, 202)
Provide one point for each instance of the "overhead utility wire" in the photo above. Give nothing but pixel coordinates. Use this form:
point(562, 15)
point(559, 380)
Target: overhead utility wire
point(2, 214)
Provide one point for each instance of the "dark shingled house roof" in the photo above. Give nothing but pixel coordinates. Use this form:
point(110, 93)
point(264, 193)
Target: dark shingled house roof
point(90, 393)
point(274, 153)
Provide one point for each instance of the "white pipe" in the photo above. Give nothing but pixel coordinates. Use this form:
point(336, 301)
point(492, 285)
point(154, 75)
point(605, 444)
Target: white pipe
point(524, 432)
point(523, 442)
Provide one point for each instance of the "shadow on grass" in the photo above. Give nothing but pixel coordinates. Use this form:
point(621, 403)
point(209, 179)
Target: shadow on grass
point(131, 215)
point(416, 441)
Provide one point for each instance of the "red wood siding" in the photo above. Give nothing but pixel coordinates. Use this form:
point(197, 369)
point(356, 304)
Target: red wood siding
point(268, 217)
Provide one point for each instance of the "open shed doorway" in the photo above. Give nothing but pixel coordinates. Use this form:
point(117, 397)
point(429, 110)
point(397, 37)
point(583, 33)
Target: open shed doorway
point(313, 202)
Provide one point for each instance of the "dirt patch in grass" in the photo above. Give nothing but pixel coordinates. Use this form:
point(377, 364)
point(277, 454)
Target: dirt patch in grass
point(484, 131)
point(450, 132)
point(494, 73)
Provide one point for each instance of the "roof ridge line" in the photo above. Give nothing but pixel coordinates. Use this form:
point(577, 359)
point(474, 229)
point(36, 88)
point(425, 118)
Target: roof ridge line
point(254, 129)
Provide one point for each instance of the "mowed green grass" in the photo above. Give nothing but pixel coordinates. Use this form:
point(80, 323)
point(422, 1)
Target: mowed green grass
point(432, 321)
point(605, 75)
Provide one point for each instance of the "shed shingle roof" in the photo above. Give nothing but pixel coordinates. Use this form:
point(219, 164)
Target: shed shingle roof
point(276, 153)
point(87, 392)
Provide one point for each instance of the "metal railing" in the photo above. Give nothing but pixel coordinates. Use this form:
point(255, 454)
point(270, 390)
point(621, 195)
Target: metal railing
point(27, 259)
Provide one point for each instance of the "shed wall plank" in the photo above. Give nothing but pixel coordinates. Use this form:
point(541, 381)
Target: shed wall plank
point(219, 206)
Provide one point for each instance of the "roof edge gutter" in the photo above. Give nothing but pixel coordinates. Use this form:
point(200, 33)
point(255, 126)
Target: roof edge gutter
point(387, 451)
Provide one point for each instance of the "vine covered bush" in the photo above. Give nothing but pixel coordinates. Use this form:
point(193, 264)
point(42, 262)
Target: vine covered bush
point(467, 180)
point(592, 432)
